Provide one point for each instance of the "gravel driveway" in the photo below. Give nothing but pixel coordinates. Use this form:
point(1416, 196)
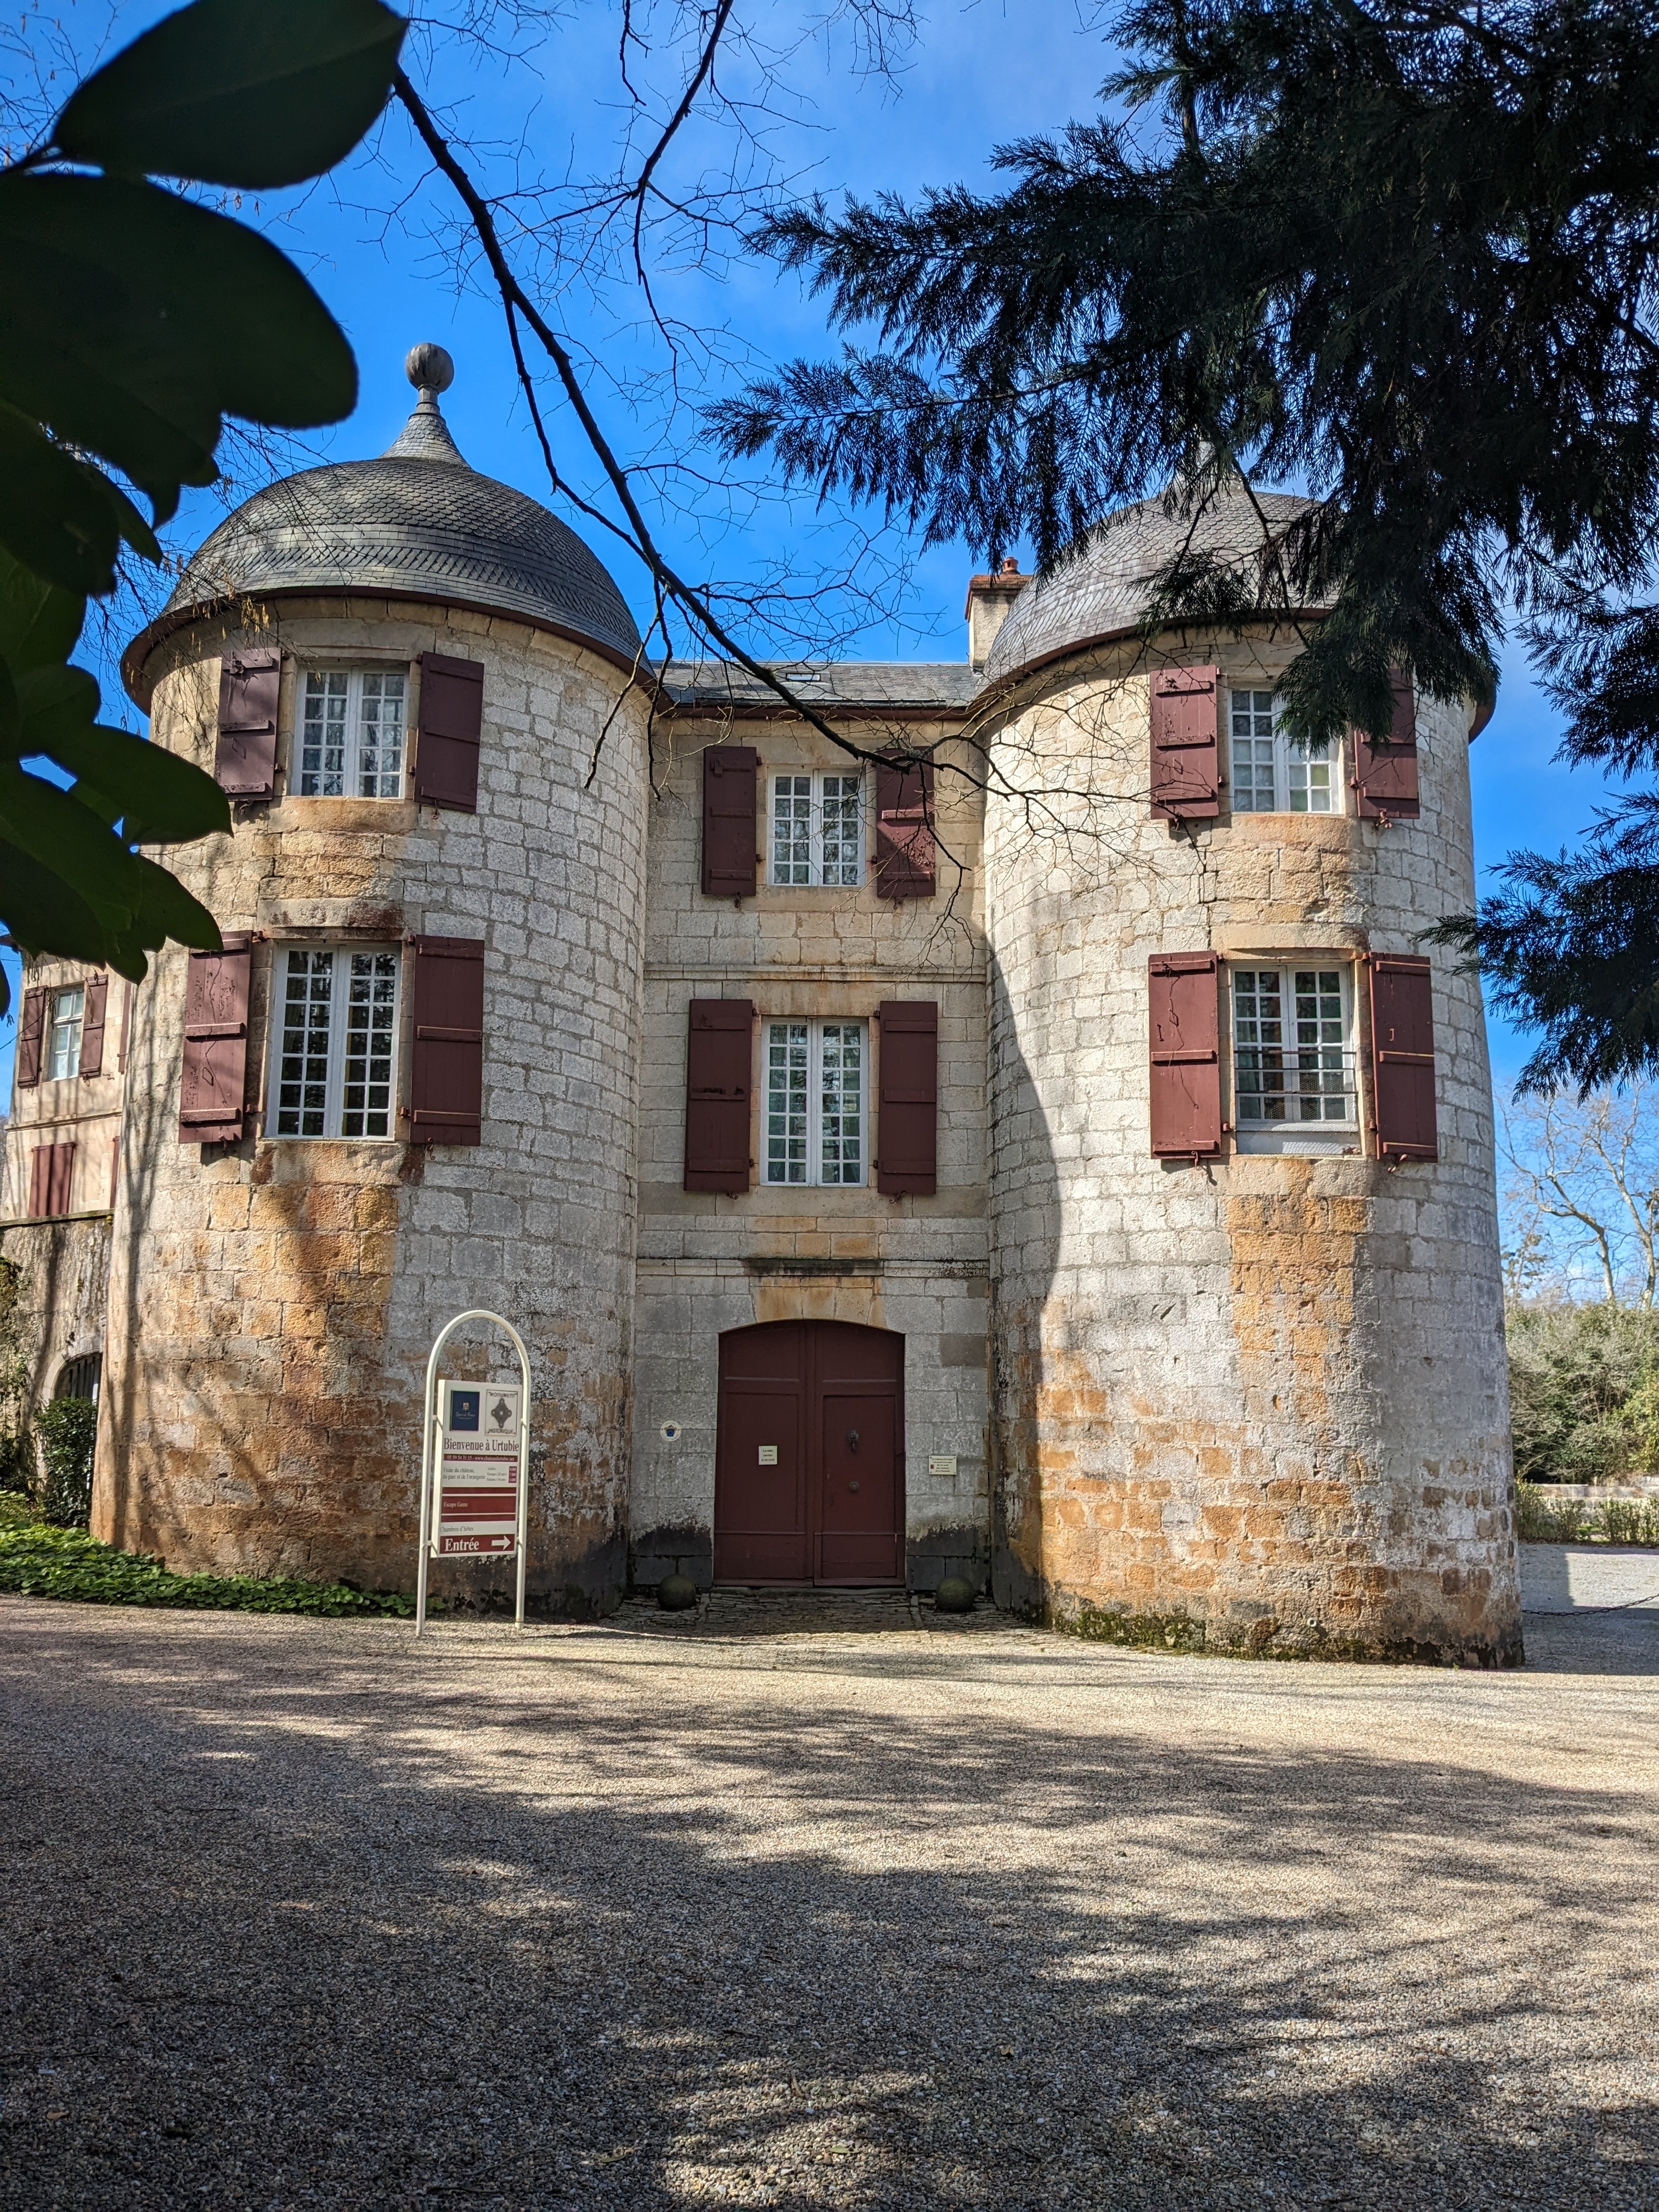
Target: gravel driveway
point(867, 1915)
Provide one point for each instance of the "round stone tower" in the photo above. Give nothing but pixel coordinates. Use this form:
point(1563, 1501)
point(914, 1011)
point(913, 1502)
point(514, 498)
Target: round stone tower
point(408, 1086)
point(1249, 1360)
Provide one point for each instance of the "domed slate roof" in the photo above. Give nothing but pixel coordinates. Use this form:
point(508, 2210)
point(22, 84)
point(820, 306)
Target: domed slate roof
point(1100, 591)
point(418, 523)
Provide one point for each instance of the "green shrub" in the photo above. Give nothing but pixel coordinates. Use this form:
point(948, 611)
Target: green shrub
point(67, 1428)
point(1642, 1412)
point(1542, 1517)
point(39, 1561)
point(17, 1462)
point(1583, 1390)
point(1628, 1521)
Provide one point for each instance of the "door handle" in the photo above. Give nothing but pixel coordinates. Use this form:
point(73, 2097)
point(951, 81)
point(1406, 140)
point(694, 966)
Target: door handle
point(851, 1486)
point(852, 1440)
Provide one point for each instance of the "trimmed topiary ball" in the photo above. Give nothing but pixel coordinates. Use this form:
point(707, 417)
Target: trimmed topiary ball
point(677, 1594)
point(954, 1595)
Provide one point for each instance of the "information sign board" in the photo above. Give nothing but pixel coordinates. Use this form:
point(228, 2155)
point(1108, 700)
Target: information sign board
point(477, 1470)
point(475, 1465)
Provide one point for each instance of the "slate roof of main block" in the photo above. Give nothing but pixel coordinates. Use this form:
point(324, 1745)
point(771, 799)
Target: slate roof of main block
point(945, 686)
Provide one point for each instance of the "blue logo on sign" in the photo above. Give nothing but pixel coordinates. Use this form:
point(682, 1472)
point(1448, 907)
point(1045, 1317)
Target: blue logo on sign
point(464, 1409)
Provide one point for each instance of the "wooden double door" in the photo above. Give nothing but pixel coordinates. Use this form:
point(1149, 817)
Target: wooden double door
point(809, 1474)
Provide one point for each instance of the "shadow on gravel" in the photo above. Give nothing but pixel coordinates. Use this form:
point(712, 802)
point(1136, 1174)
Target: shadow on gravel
point(1593, 1644)
point(1591, 1609)
point(286, 1931)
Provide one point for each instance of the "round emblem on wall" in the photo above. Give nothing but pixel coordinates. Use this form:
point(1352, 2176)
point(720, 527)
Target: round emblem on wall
point(671, 1432)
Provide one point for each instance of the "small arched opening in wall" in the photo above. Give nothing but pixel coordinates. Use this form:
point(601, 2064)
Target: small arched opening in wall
point(809, 1469)
point(80, 1376)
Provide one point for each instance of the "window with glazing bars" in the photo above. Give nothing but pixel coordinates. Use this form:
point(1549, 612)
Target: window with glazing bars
point(334, 1059)
point(350, 738)
point(68, 1009)
point(1273, 775)
point(1293, 1056)
point(817, 830)
point(815, 1103)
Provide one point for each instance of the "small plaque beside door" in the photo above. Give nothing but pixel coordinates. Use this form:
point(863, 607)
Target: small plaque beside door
point(768, 1454)
point(942, 1466)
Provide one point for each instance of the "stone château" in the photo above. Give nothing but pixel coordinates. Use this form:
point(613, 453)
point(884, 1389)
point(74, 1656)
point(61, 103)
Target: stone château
point(1056, 1164)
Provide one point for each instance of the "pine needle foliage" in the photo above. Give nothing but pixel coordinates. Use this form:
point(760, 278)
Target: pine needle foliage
point(1399, 254)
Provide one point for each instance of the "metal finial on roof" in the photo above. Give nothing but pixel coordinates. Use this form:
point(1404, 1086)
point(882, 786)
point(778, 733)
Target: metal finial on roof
point(425, 436)
point(430, 368)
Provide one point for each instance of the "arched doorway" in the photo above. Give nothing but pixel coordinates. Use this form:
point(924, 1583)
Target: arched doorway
point(809, 1469)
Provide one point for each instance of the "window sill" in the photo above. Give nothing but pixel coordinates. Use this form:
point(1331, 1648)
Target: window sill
point(274, 1137)
point(1332, 1140)
point(804, 1189)
point(816, 891)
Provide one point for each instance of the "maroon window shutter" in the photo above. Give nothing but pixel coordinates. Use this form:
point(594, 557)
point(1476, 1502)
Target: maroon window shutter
point(1385, 775)
point(1402, 1058)
point(1184, 996)
point(249, 686)
point(52, 1180)
point(60, 1178)
point(1186, 744)
point(906, 864)
point(213, 1091)
point(446, 1075)
point(92, 1026)
point(719, 1064)
point(907, 1130)
point(450, 735)
point(730, 774)
point(31, 1036)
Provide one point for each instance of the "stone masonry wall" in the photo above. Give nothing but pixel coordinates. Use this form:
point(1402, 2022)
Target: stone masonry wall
point(1261, 1402)
point(84, 1110)
point(62, 1270)
point(916, 1266)
point(273, 1302)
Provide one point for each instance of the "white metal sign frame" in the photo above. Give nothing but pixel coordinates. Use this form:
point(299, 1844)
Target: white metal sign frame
point(432, 1458)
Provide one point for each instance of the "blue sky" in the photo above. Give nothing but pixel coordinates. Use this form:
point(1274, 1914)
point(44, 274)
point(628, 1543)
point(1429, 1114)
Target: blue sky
point(383, 259)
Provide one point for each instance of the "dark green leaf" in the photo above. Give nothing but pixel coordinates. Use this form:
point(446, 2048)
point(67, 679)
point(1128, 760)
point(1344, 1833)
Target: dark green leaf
point(53, 704)
point(44, 914)
point(51, 827)
point(166, 910)
point(238, 92)
point(40, 621)
point(131, 321)
point(158, 799)
point(60, 516)
point(103, 810)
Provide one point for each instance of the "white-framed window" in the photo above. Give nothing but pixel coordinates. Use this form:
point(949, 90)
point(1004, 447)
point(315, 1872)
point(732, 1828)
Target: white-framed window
point(1271, 774)
point(350, 734)
point(68, 1013)
point(1293, 1056)
point(816, 1115)
point(334, 1049)
point(818, 829)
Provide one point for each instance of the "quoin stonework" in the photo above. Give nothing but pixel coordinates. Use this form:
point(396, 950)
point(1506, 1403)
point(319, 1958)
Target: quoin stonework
point(1033, 1149)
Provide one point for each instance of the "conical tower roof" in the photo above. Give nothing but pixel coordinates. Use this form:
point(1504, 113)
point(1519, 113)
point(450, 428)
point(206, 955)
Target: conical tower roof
point(417, 523)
